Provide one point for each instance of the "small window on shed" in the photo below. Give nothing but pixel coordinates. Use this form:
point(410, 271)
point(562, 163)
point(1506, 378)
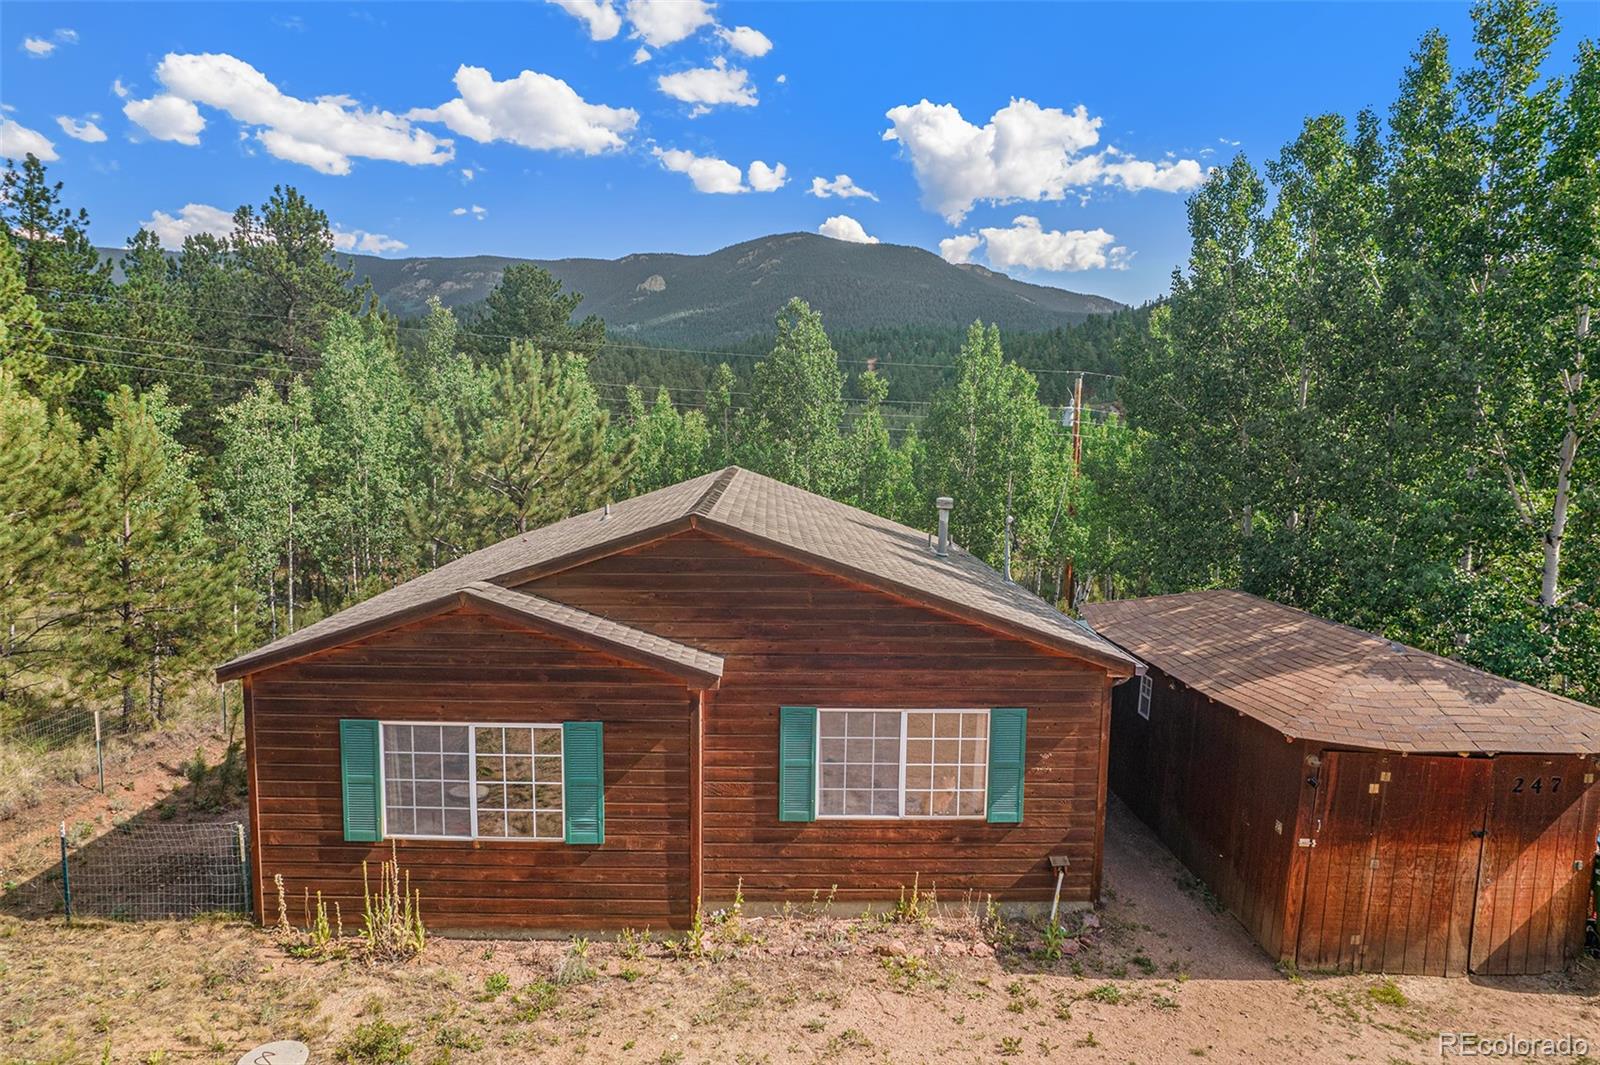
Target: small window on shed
point(1144, 697)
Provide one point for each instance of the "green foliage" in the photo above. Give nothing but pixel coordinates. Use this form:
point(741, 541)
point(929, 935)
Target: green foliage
point(528, 305)
point(375, 1042)
point(159, 593)
point(1371, 393)
point(791, 429)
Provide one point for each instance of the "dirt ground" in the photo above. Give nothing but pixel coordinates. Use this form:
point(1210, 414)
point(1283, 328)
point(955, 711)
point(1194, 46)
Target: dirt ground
point(1153, 977)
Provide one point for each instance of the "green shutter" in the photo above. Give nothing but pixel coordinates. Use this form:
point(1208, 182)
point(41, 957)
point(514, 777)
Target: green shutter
point(360, 781)
point(584, 776)
point(1008, 735)
point(797, 763)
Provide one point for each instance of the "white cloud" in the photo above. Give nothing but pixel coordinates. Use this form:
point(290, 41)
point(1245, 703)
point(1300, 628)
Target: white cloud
point(708, 86)
point(480, 213)
point(1174, 176)
point(66, 36)
point(324, 133)
point(38, 47)
point(764, 178)
point(467, 173)
point(782, 79)
point(746, 41)
point(1027, 244)
point(86, 130)
point(359, 240)
point(842, 186)
point(706, 172)
point(843, 227)
point(167, 118)
point(602, 19)
point(17, 140)
point(1024, 152)
point(662, 22)
point(120, 89)
point(191, 220)
point(959, 248)
point(641, 55)
point(534, 110)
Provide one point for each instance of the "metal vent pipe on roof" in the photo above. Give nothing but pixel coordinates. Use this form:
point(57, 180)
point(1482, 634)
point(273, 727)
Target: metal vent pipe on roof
point(944, 503)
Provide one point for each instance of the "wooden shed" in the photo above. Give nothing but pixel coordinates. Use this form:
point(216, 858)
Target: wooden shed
point(727, 682)
point(1356, 803)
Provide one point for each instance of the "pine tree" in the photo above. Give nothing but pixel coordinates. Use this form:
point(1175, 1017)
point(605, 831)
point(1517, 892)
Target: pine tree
point(24, 343)
point(41, 528)
point(528, 304)
point(539, 454)
point(878, 475)
point(158, 606)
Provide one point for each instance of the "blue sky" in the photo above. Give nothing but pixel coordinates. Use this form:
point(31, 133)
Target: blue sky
point(1057, 141)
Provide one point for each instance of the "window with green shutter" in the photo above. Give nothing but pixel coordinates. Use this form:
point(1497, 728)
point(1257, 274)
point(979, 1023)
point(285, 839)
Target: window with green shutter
point(359, 780)
point(1008, 734)
point(797, 763)
point(583, 769)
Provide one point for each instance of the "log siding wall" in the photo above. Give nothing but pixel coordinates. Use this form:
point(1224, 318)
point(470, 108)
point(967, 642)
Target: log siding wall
point(467, 667)
point(792, 635)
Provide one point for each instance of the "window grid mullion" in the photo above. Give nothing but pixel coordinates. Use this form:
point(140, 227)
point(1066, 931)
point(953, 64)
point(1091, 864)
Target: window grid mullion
point(472, 780)
point(901, 809)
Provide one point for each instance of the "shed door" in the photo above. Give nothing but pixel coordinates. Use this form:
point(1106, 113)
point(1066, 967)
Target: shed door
point(1533, 883)
point(1389, 884)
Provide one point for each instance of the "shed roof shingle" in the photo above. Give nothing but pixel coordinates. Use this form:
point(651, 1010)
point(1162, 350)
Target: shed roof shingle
point(743, 506)
point(1315, 679)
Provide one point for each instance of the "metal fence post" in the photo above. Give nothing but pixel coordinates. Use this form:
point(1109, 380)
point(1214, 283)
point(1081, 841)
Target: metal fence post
point(244, 871)
point(99, 752)
point(66, 879)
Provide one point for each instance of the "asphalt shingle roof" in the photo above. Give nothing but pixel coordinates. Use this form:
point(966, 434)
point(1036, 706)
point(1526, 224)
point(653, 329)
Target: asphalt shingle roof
point(743, 506)
point(1315, 679)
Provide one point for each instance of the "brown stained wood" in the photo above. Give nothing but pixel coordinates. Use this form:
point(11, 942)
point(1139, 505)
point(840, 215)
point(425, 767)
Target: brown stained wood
point(790, 634)
point(691, 782)
point(1533, 879)
point(1220, 790)
point(253, 783)
point(699, 702)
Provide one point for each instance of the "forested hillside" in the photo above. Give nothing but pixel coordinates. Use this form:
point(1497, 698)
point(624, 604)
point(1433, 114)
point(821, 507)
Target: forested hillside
point(1370, 393)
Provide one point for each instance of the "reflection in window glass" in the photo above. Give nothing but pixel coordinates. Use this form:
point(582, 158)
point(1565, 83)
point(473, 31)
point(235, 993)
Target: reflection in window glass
point(519, 782)
point(427, 781)
point(858, 763)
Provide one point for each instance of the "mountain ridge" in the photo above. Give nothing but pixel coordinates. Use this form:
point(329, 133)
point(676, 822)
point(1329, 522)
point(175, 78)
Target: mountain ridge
point(724, 297)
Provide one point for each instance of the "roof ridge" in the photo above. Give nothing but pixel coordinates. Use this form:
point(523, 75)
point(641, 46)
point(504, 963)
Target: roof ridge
point(709, 498)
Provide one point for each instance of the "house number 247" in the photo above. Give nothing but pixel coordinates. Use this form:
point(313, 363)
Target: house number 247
point(1537, 786)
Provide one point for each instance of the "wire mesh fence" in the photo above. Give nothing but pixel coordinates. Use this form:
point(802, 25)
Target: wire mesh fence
point(140, 871)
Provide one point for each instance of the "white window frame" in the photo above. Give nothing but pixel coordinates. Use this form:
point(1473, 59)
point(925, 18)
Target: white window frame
point(472, 728)
point(816, 760)
point(1145, 688)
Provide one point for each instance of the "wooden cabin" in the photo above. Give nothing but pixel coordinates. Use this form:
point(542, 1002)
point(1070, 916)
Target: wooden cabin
point(726, 684)
point(1357, 804)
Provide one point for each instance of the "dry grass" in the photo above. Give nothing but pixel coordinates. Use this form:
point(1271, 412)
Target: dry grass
point(802, 987)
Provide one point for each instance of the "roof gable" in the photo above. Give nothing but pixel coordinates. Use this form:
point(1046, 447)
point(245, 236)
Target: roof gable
point(696, 668)
point(1315, 679)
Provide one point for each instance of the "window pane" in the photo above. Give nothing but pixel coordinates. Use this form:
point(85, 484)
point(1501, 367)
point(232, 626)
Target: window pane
point(951, 767)
point(515, 785)
point(859, 763)
point(421, 786)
